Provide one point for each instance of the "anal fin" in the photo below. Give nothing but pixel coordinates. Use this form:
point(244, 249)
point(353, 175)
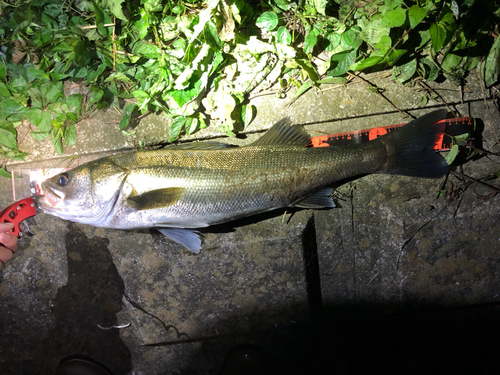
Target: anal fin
point(190, 239)
point(320, 199)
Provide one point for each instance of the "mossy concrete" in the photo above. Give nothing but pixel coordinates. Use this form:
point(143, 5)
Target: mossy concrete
point(309, 287)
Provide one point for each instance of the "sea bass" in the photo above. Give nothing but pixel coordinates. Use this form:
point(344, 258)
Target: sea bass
point(184, 187)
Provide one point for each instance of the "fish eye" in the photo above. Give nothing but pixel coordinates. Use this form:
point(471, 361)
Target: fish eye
point(63, 180)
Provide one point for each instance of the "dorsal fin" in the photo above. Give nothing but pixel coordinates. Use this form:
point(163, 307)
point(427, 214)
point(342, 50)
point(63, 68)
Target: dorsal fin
point(282, 133)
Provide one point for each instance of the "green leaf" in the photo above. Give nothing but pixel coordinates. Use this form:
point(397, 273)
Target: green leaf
point(93, 74)
point(182, 97)
point(267, 20)
point(311, 40)
point(34, 73)
point(403, 73)
point(452, 154)
point(70, 135)
point(39, 136)
point(319, 5)
point(381, 48)
point(366, 63)
point(373, 30)
point(82, 54)
point(416, 14)
point(341, 62)
point(75, 102)
point(49, 22)
point(72, 116)
point(8, 135)
point(99, 20)
point(118, 76)
point(56, 138)
point(12, 153)
point(491, 176)
point(142, 97)
point(41, 119)
point(115, 6)
point(4, 173)
point(431, 70)
point(211, 37)
point(58, 76)
point(190, 125)
point(450, 62)
point(36, 97)
point(351, 39)
point(143, 24)
point(51, 91)
point(58, 108)
point(308, 68)
point(394, 56)
point(438, 36)
point(283, 35)
point(96, 94)
point(394, 18)
point(128, 110)
point(4, 90)
point(492, 66)
point(2, 71)
point(461, 138)
point(334, 40)
point(149, 50)
point(176, 127)
point(306, 86)
point(12, 110)
point(248, 113)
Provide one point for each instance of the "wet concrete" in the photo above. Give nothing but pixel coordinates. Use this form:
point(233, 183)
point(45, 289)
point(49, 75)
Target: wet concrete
point(392, 281)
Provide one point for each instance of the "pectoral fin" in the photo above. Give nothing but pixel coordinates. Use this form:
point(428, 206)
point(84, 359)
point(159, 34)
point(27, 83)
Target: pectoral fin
point(320, 199)
point(156, 198)
point(188, 238)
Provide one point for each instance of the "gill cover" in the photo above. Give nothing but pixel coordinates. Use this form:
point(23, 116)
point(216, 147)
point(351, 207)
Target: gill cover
point(86, 194)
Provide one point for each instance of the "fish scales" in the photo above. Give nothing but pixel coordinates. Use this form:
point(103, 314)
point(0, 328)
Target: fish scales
point(246, 168)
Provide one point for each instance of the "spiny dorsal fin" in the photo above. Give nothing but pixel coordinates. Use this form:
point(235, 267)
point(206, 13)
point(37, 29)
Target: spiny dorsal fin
point(282, 133)
point(156, 198)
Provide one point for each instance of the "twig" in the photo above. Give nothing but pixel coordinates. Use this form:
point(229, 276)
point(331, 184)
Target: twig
point(264, 94)
point(165, 326)
point(349, 14)
point(95, 26)
point(408, 240)
point(489, 115)
point(25, 134)
point(113, 35)
point(428, 88)
point(377, 91)
point(143, 115)
point(478, 181)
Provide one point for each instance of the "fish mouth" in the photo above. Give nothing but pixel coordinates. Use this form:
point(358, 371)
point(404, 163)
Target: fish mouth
point(52, 196)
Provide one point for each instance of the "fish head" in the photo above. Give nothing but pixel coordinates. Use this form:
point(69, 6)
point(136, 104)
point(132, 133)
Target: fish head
point(89, 194)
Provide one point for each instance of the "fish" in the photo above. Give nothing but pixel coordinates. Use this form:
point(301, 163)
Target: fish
point(182, 188)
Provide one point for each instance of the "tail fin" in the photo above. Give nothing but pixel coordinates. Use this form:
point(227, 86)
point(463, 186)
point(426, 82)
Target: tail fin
point(411, 148)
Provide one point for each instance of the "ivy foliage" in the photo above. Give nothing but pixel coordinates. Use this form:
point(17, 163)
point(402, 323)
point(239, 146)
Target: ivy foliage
point(198, 61)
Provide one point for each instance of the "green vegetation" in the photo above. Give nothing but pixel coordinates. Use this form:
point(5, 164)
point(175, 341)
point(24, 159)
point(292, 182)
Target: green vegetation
point(199, 61)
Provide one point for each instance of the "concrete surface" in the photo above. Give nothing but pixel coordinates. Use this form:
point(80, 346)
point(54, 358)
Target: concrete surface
point(386, 283)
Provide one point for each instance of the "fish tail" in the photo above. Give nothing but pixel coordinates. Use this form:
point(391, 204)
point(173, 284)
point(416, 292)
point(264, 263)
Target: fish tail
point(410, 149)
